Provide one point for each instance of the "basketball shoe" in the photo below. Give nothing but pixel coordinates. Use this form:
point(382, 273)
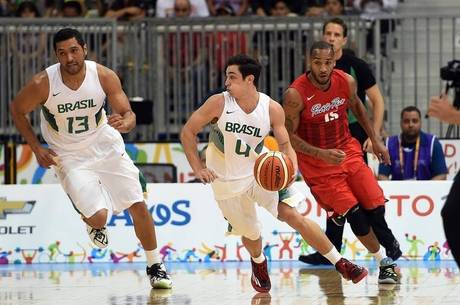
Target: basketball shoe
point(158, 276)
point(260, 279)
point(350, 271)
point(99, 237)
point(388, 273)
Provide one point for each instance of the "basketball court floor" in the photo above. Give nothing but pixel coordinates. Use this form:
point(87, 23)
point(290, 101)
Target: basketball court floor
point(293, 283)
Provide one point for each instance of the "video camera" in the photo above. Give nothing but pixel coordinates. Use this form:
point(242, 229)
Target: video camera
point(451, 72)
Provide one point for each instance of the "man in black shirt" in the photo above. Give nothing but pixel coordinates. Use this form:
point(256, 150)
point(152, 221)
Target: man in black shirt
point(335, 32)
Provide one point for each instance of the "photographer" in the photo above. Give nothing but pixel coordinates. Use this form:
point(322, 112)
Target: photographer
point(442, 108)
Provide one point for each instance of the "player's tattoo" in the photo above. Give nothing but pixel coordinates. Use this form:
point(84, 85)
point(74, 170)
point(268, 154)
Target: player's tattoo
point(289, 124)
point(292, 103)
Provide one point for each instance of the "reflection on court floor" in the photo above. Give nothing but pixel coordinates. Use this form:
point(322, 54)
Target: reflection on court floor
point(228, 283)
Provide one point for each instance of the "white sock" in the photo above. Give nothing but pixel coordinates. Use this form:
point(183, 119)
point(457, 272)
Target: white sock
point(153, 257)
point(259, 259)
point(333, 256)
point(378, 256)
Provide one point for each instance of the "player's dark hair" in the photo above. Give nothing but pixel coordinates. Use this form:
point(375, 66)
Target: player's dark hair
point(246, 65)
point(321, 45)
point(68, 33)
point(410, 109)
point(338, 21)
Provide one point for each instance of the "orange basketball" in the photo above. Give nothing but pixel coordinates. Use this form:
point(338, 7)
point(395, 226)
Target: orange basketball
point(273, 170)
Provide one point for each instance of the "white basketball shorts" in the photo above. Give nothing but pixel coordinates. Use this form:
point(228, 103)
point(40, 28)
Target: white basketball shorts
point(101, 176)
point(240, 211)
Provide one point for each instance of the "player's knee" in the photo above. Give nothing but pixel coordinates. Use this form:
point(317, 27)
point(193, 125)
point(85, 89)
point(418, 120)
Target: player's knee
point(138, 209)
point(286, 213)
point(251, 232)
point(358, 221)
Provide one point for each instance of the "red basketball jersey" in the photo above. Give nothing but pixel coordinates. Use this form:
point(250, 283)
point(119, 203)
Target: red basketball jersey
point(324, 122)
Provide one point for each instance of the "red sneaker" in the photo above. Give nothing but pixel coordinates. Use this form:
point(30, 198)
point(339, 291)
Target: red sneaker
point(350, 271)
point(260, 279)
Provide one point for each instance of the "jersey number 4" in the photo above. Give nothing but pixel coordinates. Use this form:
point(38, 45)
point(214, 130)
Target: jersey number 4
point(77, 124)
point(330, 116)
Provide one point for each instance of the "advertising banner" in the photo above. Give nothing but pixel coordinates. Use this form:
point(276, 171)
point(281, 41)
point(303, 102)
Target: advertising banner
point(39, 225)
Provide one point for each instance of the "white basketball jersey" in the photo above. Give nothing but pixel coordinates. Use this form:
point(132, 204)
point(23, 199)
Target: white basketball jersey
point(72, 119)
point(234, 144)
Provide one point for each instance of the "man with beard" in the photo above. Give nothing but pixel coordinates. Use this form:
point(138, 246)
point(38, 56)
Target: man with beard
point(329, 158)
point(85, 148)
point(415, 155)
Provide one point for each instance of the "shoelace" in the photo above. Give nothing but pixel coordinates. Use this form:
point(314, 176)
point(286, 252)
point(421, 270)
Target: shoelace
point(99, 235)
point(158, 272)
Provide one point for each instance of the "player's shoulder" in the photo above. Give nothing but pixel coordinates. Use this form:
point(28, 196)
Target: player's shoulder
point(39, 84)
point(104, 72)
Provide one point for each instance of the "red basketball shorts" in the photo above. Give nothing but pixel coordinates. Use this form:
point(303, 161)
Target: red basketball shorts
point(344, 185)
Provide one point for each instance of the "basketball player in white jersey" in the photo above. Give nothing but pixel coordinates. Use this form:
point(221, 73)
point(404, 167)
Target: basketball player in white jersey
point(85, 147)
point(241, 118)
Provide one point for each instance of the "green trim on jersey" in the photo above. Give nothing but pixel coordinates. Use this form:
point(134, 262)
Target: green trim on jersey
point(259, 147)
point(50, 118)
point(99, 114)
point(216, 137)
point(143, 182)
point(351, 116)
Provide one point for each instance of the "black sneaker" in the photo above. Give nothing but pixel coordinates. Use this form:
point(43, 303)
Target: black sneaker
point(158, 276)
point(314, 259)
point(388, 273)
point(260, 279)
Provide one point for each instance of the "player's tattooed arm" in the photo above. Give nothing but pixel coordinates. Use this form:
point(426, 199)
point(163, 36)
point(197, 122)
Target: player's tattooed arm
point(293, 106)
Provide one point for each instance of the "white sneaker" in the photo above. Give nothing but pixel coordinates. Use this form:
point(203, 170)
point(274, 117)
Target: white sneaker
point(99, 237)
point(158, 276)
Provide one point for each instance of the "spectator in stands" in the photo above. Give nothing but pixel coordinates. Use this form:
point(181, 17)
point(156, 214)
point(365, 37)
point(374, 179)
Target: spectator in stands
point(335, 7)
point(51, 8)
point(182, 8)
point(276, 51)
point(6, 8)
point(239, 7)
point(165, 8)
point(126, 10)
point(27, 9)
point(27, 48)
point(415, 155)
point(186, 65)
point(72, 9)
point(281, 9)
point(335, 32)
point(223, 45)
point(315, 8)
point(369, 10)
point(443, 109)
point(265, 7)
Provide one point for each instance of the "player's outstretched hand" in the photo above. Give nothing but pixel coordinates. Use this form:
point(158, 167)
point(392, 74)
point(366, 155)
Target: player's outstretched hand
point(206, 175)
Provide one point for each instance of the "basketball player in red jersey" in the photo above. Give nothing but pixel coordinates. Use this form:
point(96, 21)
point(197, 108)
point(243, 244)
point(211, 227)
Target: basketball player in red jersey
point(329, 158)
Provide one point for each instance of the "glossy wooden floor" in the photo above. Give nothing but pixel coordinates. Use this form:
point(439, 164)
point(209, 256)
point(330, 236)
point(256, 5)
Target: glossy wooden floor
point(293, 283)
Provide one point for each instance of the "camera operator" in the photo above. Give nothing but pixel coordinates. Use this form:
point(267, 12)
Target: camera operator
point(443, 109)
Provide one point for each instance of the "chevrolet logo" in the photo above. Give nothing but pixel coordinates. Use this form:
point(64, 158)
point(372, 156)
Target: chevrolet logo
point(15, 207)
